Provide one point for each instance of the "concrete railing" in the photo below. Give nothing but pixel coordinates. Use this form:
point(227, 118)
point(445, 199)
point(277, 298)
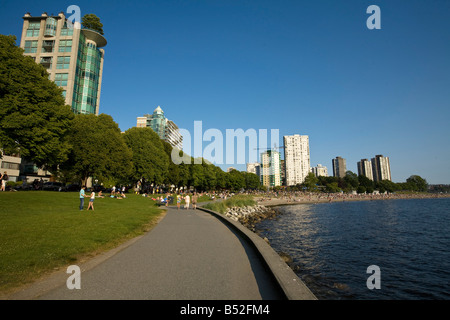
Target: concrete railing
point(292, 286)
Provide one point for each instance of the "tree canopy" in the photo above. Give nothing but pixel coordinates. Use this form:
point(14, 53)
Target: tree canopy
point(91, 21)
point(150, 161)
point(98, 149)
point(34, 119)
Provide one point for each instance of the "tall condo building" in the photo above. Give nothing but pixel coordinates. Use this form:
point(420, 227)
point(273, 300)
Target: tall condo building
point(381, 168)
point(365, 168)
point(297, 159)
point(271, 168)
point(72, 56)
point(166, 129)
point(339, 167)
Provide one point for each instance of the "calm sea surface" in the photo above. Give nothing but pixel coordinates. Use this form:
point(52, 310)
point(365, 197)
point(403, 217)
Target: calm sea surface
point(333, 244)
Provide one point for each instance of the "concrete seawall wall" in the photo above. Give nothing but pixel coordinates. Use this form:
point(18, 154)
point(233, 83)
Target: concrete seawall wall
point(289, 282)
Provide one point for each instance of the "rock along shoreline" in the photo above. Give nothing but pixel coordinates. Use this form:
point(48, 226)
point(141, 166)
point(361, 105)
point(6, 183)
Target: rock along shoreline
point(249, 216)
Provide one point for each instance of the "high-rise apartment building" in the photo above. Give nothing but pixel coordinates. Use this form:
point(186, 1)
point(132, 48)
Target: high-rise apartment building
point(339, 167)
point(271, 168)
point(283, 172)
point(365, 168)
point(72, 56)
point(320, 171)
point(254, 168)
point(297, 158)
point(381, 168)
point(166, 129)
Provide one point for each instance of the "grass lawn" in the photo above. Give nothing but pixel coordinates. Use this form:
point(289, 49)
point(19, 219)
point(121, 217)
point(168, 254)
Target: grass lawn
point(44, 230)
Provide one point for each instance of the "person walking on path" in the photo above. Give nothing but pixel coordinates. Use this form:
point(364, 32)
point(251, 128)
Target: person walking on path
point(178, 201)
point(82, 196)
point(91, 201)
point(167, 199)
point(194, 200)
point(187, 200)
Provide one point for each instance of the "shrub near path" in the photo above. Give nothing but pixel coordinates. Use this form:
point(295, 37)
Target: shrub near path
point(41, 231)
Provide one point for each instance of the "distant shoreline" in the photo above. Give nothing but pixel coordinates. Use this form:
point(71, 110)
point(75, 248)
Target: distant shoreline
point(313, 199)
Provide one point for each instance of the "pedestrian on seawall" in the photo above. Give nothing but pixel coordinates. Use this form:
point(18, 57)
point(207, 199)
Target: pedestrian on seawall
point(187, 200)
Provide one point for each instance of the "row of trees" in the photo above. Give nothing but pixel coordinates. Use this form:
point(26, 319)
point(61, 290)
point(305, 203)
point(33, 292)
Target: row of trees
point(361, 184)
point(101, 151)
point(36, 123)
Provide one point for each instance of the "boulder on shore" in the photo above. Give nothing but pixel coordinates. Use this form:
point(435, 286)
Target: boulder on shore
point(249, 216)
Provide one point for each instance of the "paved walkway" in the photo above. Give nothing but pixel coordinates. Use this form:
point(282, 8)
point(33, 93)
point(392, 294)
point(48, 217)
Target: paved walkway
point(189, 255)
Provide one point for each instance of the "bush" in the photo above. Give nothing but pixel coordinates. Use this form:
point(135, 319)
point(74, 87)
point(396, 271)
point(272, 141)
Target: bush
point(236, 201)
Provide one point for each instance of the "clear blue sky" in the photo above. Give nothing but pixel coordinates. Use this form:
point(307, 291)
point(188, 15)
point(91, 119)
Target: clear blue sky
point(303, 67)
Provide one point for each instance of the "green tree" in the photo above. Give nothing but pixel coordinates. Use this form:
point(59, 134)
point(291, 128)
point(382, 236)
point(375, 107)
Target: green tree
point(366, 183)
point(361, 189)
point(221, 178)
point(417, 183)
point(34, 119)
point(351, 179)
point(252, 181)
point(386, 185)
point(150, 161)
point(236, 180)
point(91, 21)
point(310, 182)
point(98, 149)
point(173, 174)
point(197, 177)
point(332, 187)
point(210, 176)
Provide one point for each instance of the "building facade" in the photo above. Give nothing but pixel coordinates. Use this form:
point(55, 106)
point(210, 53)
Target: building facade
point(72, 56)
point(365, 168)
point(381, 168)
point(166, 129)
point(270, 168)
point(297, 158)
point(254, 168)
point(320, 171)
point(11, 165)
point(339, 167)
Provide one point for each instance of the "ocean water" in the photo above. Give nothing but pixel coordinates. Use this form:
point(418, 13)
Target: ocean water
point(333, 244)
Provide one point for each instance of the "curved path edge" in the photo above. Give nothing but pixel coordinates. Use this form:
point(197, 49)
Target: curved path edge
point(293, 287)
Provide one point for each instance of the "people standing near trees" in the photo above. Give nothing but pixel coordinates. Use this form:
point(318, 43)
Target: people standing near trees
point(91, 201)
point(194, 200)
point(178, 201)
point(167, 199)
point(82, 196)
point(187, 201)
point(4, 178)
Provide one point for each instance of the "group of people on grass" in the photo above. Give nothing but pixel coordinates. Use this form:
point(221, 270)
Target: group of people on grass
point(187, 199)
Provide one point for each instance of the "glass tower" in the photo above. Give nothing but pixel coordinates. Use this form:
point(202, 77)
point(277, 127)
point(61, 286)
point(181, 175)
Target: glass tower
point(165, 128)
point(72, 56)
